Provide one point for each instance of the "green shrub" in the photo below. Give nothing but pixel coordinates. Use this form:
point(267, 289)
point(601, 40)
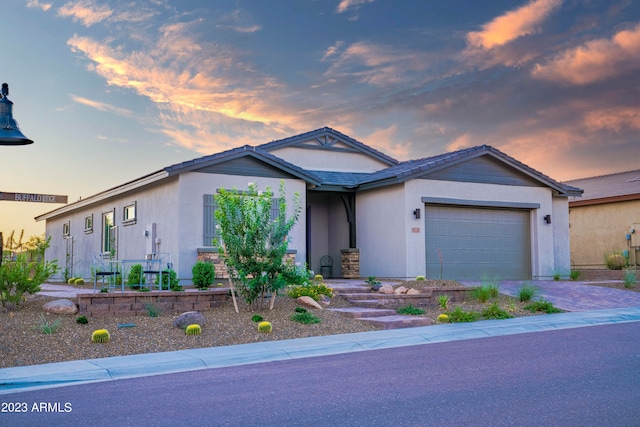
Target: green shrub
point(630, 279)
point(257, 318)
point(459, 316)
point(82, 320)
point(371, 280)
point(481, 294)
point(47, 327)
point(420, 279)
point(203, 274)
point(574, 275)
point(169, 276)
point(305, 318)
point(193, 329)
point(542, 306)
point(495, 312)
point(300, 310)
point(100, 336)
point(135, 276)
point(616, 261)
point(527, 292)
point(265, 327)
point(410, 310)
point(176, 288)
point(313, 290)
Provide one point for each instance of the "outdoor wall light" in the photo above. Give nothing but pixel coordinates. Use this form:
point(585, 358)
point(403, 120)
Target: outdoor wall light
point(547, 219)
point(9, 131)
point(416, 213)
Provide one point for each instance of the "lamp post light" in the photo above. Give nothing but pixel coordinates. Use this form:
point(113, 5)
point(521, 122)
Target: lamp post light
point(9, 130)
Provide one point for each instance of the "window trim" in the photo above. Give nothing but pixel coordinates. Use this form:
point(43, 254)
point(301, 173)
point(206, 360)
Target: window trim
point(106, 243)
point(66, 229)
point(128, 221)
point(88, 224)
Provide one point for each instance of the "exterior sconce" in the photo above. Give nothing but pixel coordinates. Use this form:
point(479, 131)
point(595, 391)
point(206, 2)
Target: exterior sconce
point(547, 219)
point(416, 213)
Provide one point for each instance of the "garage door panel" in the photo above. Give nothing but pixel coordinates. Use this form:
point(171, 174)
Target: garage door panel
point(477, 243)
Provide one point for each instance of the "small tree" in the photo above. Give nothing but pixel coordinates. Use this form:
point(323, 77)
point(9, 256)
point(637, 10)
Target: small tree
point(252, 243)
point(24, 276)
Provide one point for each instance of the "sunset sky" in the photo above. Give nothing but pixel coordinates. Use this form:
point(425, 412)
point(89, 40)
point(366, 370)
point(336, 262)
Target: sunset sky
point(113, 90)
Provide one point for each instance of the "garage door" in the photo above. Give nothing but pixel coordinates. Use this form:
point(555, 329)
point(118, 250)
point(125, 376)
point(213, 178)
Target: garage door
point(465, 243)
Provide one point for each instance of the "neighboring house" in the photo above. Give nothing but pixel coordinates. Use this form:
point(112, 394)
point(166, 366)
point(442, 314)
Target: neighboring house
point(471, 214)
point(602, 219)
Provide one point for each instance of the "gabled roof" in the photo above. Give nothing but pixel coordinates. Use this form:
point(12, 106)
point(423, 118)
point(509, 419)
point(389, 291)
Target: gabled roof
point(327, 135)
point(246, 150)
point(614, 187)
point(412, 169)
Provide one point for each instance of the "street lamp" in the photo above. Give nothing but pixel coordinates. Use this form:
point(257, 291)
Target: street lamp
point(9, 131)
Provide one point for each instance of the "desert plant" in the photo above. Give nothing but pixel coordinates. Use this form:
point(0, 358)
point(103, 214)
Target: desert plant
point(305, 318)
point(371, 280)
point(318, 278)
point(615, 261)
point(257, 318)
point(630, 279)
point(193, 329)
point(79, 281)
point(71, 281)
point(153, 309)
point(481, 293)
point(22, 276)
point(300, 310)
point(420, 279)
point(203, 274)
point(313, 290)
point(574, 274)
point(410, 310)
point(443, 318)
point(458, 315)
point(443, 301)
point(265, 327)
point(527, 292)
point(100, 336)
point(542, 306)
point(135, 278)
point(47, 327)
point(495, 312)
point(82, 320)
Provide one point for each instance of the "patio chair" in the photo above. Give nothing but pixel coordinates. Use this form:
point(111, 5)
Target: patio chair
point(106, 271)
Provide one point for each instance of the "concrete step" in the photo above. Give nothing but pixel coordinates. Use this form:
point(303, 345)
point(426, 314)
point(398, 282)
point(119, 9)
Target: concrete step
point(398, 321)
point(366, 303)
point(360, 312)
point(359, 296)
point(340, 289)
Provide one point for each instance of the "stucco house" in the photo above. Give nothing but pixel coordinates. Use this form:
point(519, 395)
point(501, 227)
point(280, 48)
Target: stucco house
point(605, 220)
point(470, 214)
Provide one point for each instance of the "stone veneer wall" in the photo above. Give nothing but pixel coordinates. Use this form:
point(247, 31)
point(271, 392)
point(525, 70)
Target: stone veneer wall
point(212, 256)
point(134, 303)
point(350, 263)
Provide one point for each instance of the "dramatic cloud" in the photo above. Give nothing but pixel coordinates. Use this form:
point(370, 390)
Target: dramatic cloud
point(35, 4)
point(594, 61)
point(86, 12)
point(102, 106)
point(514, 24)
point(348, 4)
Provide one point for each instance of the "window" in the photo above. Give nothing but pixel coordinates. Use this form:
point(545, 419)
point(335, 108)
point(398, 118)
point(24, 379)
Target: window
point(129, 216)
point(210, 234)
point(88, 224)
point(108, 233)
point(66, 229)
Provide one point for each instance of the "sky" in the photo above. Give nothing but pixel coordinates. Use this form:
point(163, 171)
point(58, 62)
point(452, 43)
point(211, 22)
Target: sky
point(111, 90)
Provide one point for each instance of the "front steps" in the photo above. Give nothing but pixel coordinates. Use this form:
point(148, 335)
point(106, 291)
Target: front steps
point(366, 307)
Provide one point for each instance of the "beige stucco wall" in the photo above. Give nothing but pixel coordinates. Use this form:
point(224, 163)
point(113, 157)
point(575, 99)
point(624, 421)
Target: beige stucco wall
point(399, 251)
point(599, 230)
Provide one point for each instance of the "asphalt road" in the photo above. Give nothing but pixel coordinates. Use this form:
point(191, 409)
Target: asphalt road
point(574, 377)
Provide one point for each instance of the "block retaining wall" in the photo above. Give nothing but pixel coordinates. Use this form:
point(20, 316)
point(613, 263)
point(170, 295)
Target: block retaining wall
point(134, 303)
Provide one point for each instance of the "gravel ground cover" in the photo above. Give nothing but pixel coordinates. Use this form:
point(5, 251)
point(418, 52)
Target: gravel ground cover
point(22, 341)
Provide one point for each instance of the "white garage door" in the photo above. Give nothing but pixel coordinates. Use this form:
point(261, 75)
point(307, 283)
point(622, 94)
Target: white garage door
point(465, 243)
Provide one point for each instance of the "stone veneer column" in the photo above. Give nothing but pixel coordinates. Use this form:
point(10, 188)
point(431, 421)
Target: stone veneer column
point(350, 263)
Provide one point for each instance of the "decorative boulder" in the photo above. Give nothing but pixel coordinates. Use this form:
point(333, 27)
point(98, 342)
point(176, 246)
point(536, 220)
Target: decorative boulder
point(324, 300)
point(401, 290)
point(189, 318)
point(61, 306)
point(413, 292)
point(309, 302)
point(386, 289)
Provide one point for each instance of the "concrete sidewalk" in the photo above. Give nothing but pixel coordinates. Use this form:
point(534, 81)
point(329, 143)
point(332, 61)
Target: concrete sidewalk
point(25, 378)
